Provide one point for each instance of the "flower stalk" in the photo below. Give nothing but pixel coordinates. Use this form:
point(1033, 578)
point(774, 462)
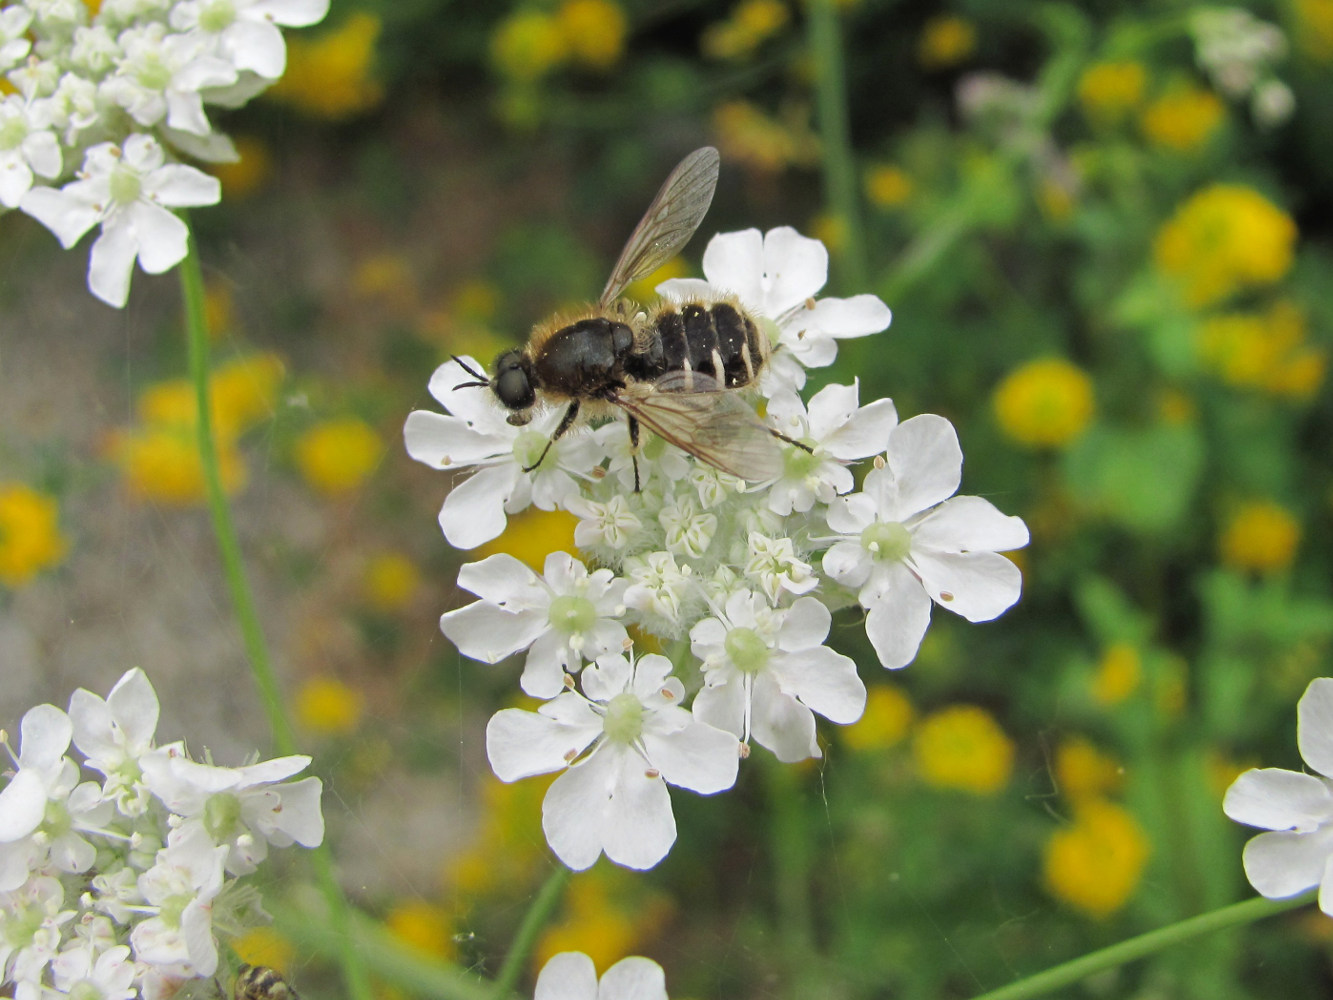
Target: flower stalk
point(538, 915)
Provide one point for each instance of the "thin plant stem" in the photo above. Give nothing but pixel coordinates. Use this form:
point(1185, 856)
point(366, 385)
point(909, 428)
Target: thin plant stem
point(825, 39)
point(1116, 955)
point(261, 668)
point(526, 939)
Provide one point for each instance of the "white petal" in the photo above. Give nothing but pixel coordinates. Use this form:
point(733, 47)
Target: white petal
point(866, 434)
point(110, 265)
point(898, 613)
point(291, 13)
point(163, 237)
point(443, 441)
point(544, 669)
point(806, 625)
point(1275, 799)
point(45, 733)
point(22, 806)
point(795, 268)
point(633, 979)
point(567, 976)
point(1314, 725)
point(722, 707)
point(474, 511)
point(825, 681)
point(15, 180)
point(979, 586)
point(926, 462)
point(684, 289)
point(258, 47)
point(179, 186)
point(134, 704)
point(969, 524)
point(520, 744)
point(698, 757)
point(848, 562)
point(608, 677)
point(574, 810)
point(782, 723)
point(734, 262)
point(67, 217)
point(300, 817)
point(639, 826)
point(855, 317)
point(851, 515)
point(1284, 864)
point(481, 631)
point(506, 581)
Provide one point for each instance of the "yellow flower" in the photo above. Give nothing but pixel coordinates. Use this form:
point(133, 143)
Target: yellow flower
point(327, 706)
point(245, 391)
point(249, 173)
point(1095, 863)
point(1261, 537)
point(160, 462)
point(386, 279)
point(533, 535)
point(887, 186)
point(751, 24)
point(527, 45)
point(885, 721)
point(1225, 238)
point(390, 581)
point(1314, 31)
point(829, 229)
point(1118, 674)
point(425, 926)
point(330, 76)
point(963, 747)
point(594, 32)
point(264, 946)
point(337, 455)
point(645, 289)
point(946, 41)
point(1044, 403)
point(1109, 90)
point(1266, 351)
point(30, 538)
point(1082, 771)
point(746, 135)
point(1183, 119)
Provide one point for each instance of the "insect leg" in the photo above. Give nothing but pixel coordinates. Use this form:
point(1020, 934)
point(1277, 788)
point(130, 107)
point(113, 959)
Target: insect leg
point(565, 423)
point(634, 449)
point(783, 437)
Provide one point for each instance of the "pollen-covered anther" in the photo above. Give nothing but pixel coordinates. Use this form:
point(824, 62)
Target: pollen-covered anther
point(945, 595)
point(628, 643)
point(568, 681)
point(652, 773)
point(743, 751)
point(810, 303)
point(879, 462)
point(668, 694)
point(570, 754)
point(598, 473)
point(445, 461)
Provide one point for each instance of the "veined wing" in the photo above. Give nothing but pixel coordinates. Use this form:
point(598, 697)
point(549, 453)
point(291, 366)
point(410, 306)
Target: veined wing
point(671, 219)
point(711, 423)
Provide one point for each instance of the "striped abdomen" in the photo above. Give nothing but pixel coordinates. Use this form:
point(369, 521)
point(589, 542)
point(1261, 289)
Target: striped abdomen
point(716, 338)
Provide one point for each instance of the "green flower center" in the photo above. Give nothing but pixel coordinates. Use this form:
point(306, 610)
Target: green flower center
point(153, 73)
point(624, 718)
point(801, 464)
point(12, 133)
point(887, 541)
point(747, 650)
point(222, 815)
point(56, 822)
point(528, 447)
point(126, 185)
point(217, 16)
point(86, 989)
point(571, 615)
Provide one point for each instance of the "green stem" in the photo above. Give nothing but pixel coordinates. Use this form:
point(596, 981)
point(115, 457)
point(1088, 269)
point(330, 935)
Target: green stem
point(196, 326)
point(825, 38)
point(789, 841)
point(1143, 945)
point(526, 939)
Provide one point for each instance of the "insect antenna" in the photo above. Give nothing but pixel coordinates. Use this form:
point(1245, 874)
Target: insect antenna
point(482, 381)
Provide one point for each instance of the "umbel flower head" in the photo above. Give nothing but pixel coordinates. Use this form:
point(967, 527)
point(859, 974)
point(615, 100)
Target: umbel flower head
point(739, 579)
point(101, 107)
point(120, 882)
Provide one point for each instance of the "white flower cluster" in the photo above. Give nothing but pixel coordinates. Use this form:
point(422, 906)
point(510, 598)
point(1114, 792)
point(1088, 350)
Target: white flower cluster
point(746, 574)
point(100, 101)
point(1239, 53)
point(114, 886)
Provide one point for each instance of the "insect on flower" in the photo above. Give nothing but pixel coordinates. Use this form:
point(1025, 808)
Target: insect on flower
point(673, 368)
point(259, 982)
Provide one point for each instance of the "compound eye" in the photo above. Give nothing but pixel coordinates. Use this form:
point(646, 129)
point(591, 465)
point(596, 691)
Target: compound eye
point(514, 390)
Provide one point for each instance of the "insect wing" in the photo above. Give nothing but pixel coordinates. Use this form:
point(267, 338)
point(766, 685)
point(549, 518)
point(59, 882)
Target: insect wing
point(669, 223)
point(713, 424)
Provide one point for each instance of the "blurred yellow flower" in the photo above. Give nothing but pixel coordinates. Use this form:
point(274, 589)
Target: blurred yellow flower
point(1261, 537)
point(645, 289)
point(1225, 238)
point(475, 300)
point(829, 229)
point(1175, 407)
point(1095, 863)
point(510, 828)
point(594, 32)
point(244, 392)
point(1055, 198)
point(751, 24)
point(1314, 28)
point(327, 706)
point(424, 926)
point(533, 535)
point(963, 747)
point(390, 581)
point(330, 76)
point(264, 946)
point(746, 135)
point(885, 721)
point(1266, 351)
point(386, 279)
point(608, 915)
point(30, 538)
point(1183, 119)
point(1082, 771)
point(527, 45)
point(337, 455)
point(1044, 403)
point(1109, 90)
point(246, 175)
point(887, 186)
point(1118, 674)
point(946, 41)
point(160, 462)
